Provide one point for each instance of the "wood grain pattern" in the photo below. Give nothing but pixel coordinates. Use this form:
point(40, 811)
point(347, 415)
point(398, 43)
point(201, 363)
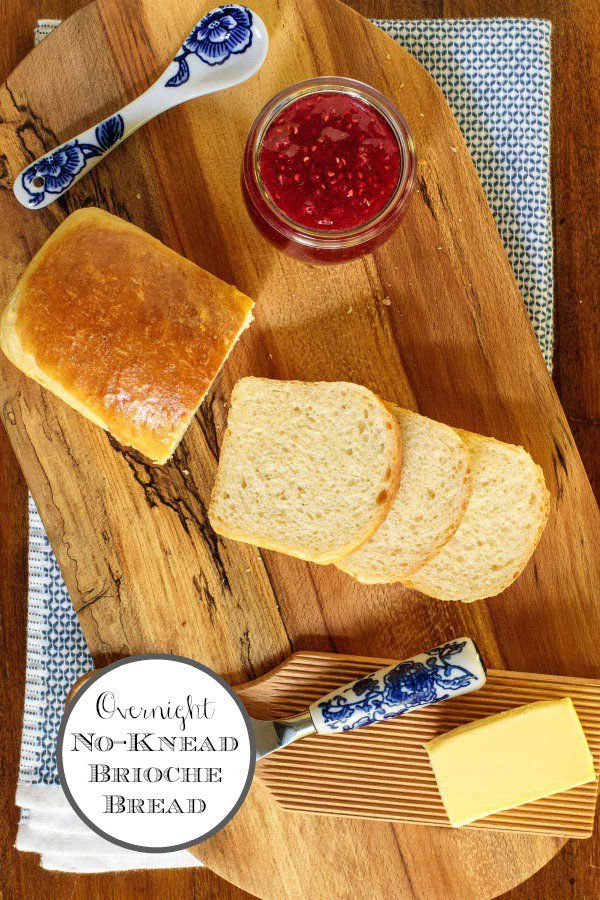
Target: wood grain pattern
point(476, 396)
point(384, 772)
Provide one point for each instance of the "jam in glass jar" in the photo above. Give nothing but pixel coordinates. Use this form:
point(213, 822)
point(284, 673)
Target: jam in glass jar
point(328, 169)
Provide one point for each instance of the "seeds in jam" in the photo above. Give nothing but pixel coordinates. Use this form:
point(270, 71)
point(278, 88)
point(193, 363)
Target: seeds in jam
point(330, 161)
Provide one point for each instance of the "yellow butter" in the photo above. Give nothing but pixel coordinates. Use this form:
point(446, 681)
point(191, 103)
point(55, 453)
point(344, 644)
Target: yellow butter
point(509, 759)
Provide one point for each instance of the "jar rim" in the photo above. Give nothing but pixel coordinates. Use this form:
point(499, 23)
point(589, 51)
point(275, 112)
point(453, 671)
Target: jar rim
point(330, 240)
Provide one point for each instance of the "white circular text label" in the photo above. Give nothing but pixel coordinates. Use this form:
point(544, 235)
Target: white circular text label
point(155, 753)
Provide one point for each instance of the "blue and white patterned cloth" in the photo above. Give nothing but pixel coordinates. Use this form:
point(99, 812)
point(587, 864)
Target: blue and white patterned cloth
point(495, 74)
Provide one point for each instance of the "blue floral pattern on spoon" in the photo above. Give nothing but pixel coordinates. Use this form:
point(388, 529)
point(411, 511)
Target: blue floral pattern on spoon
point(53, 173)
point(221, 33)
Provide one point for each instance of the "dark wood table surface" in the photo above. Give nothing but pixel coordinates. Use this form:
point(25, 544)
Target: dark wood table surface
point(575, 871)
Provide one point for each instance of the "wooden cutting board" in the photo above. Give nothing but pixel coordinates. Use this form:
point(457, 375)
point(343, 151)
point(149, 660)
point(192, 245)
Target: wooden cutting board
point(432, 321)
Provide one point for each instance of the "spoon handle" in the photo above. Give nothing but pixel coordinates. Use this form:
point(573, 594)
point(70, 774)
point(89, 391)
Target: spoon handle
point(51, 176)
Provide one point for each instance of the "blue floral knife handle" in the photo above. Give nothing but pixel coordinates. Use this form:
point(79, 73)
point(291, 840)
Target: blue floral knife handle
point(448, 671)
point(226, 47)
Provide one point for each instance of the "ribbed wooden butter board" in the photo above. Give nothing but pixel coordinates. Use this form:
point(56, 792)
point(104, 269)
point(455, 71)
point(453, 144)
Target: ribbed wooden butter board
point(452, 339)
point(383, 772)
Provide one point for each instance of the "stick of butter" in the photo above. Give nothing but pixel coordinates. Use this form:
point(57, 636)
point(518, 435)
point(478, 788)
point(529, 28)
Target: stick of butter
point(512, 758)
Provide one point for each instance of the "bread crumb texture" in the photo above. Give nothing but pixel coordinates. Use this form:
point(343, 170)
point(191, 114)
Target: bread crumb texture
point(435, 487)
point(501, 528)
point(306, 468)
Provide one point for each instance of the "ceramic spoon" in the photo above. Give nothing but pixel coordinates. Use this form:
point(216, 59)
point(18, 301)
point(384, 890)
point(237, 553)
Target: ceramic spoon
point(227, 46)
point(440, 674)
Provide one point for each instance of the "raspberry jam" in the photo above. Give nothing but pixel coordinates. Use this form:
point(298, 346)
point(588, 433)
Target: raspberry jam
point(328, 169)
point(329, 161)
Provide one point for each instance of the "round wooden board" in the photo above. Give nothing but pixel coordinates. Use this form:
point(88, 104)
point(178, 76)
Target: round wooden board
point(432, 321)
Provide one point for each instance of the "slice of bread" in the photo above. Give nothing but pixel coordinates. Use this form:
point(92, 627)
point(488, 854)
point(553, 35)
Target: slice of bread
point(500, 530)
point(309, 469)
point(434, 491)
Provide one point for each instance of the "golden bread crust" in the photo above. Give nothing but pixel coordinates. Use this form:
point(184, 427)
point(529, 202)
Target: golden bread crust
point(122, 328)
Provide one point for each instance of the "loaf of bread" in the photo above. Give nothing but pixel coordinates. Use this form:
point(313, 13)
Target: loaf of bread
point(309, 469)
point(435, 487)
point(502, 525)
point(122, 328)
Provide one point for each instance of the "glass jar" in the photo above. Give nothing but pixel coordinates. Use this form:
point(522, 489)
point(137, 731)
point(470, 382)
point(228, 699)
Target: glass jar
point(333, 242)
